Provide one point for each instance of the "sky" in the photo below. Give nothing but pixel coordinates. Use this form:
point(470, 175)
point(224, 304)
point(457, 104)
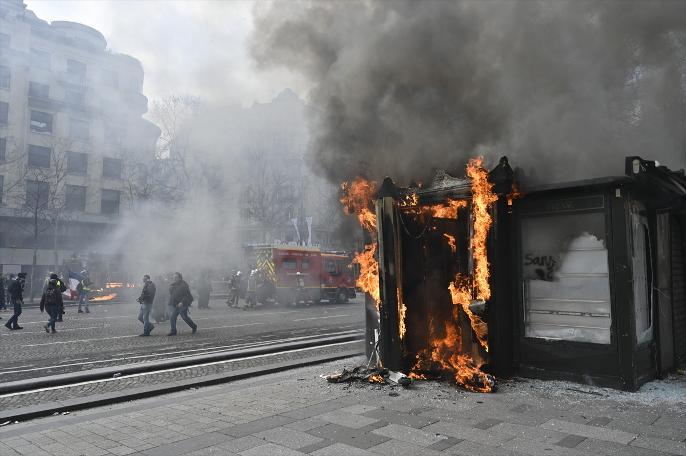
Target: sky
point(187, 47)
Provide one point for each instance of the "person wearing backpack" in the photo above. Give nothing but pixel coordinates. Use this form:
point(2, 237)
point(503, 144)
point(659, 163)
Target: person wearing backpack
point(52, 301)
point(180, 299)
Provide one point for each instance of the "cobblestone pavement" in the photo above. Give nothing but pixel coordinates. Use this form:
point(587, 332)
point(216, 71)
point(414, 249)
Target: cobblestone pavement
point(108, 336)
point(297, 412)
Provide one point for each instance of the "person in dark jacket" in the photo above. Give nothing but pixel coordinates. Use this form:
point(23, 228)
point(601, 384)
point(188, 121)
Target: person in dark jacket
point(16, 291)
point(204, 288)
point(3, 302)
point(52, 301)
point(180, 299)
point(146, 299)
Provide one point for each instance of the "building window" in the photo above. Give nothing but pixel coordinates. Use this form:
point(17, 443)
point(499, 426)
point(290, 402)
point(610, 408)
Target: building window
point(77, 163)
point(37, 194)
point(566, 278)
point(3, 149)
point(79, 129)
point(41, 122)
point(4, 40)
point(4, 77)
point(75, 198)
point(39, 156)
point(110, 78)
point(111, 168)
point(76, 70)
point(4, 112)
point(290, 264)
point(40, 59)
point(75, 98)
point(37, 90)
point(110, 202)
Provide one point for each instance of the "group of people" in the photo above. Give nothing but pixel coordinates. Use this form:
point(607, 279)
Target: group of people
point(180, 299)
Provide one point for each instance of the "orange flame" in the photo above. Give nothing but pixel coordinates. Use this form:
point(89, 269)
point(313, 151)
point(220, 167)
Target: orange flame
point(376, 378)
point(357, 197)
point(514, 194)
point(108, 297)
point(451, 241)
point(448, 209)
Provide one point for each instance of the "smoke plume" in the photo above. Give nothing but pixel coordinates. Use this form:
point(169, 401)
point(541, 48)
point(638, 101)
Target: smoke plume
point(565, 89)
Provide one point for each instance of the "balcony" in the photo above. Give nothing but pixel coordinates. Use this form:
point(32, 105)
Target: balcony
point(45, 103)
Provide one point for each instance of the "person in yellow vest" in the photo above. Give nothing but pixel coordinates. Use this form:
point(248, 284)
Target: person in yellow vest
point(84, 290)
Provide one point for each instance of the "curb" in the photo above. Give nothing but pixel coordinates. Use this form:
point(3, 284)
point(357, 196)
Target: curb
point(50, 408)
point(117, 371)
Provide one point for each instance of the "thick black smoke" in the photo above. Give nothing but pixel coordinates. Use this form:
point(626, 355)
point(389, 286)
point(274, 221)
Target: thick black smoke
point(566, 89)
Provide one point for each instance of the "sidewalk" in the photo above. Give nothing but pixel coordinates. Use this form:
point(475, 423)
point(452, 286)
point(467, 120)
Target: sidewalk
point(296, 412)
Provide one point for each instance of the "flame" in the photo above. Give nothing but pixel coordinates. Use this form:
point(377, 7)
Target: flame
point(451, 242)
point(376, 378)
point(357, 197)
point(482, 200)
point(514, 194)
point(108, 297)
point(448, 209)
point(402, 310)
point(445, 351)
point(114, 285)
point(411, 199)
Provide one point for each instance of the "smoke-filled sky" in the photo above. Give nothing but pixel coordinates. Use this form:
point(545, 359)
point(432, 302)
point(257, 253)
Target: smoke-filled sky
point(186, 47)
point(566, 89)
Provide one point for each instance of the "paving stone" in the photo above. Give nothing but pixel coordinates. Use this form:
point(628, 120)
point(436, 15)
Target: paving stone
point(599, 421)
point(271, 450)
point(460, 431)
point(528, 432)
point(358, 409)
point(318, 409)
point(400, 448)
point(316, 446)
point(251, 427)
point(242, 444)
point(444, 444)
point(341, 449)
point(375, 425)
point(348, 436)
point(408, 434)
point(405, 419)
point(536, 448)
point(288, 437)
point(598, 447)
point(487, 423)
point(347, 419)
point(187, 445)
point(593, 432)
point(667, 446)
point(306, 424)
point(468, 448)
point(571, 441)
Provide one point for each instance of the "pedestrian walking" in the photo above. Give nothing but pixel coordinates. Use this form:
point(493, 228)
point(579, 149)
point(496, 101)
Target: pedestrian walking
point(52, 301)
point(3, 302)
point(16, 291)
point(204, 288)
point(84, 289)
point(180, 299)
point(146, 300)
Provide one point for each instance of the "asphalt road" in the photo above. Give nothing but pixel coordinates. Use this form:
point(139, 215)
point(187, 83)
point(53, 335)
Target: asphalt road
point(108, 336)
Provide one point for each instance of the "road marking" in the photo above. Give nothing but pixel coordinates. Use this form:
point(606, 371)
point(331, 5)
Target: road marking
point(322, 318)
point(174, 369)
point(16, 367)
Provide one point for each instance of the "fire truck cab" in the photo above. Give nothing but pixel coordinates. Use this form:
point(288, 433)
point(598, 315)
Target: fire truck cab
point(290, 273)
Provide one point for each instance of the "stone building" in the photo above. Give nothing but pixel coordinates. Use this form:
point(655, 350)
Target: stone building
point(73, 142)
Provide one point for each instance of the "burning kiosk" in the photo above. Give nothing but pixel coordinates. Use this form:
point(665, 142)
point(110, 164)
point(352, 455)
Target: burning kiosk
point(581, 280)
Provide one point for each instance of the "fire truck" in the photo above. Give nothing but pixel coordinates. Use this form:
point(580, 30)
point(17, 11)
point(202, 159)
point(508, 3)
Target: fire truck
point(285, 273)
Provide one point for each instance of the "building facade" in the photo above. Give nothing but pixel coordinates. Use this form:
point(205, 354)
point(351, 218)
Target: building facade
point(73, 142)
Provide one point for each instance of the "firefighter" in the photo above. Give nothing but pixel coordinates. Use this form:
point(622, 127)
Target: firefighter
point(251, 289)
point(236, 285)
point(146, 300)
point(180, 299)
point(299, 292)
point(84, 290)
point(52, 301)
point(16, 291)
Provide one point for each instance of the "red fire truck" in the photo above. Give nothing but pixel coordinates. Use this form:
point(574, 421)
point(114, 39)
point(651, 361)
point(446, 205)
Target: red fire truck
point(291, 273)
